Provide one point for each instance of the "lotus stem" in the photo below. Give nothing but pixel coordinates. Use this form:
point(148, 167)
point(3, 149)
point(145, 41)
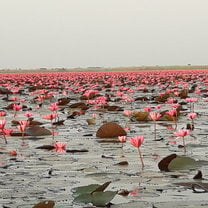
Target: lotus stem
point(140, 156)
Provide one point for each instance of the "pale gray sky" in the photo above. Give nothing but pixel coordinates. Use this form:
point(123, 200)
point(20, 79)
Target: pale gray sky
point(106, 33)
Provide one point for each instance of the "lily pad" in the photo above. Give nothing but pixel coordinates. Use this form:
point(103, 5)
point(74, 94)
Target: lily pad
point(84, 189)
point(101, 199)
point(37, 131)
point(141, 116)
point(110, 130)
point(174, 162)
point(94, 194)
point(45, 204)
point(181, 163)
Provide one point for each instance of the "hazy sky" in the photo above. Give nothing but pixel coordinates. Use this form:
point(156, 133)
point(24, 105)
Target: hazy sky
point(85, 33)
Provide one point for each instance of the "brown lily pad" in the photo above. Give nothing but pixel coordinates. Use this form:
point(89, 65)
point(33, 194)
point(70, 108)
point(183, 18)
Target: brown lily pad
point(113, 108)
point(10, 106)
point(45, 204)
point(80, 105)
point(18, 134)
point(110, 130)
point(47, 147)
point(183, 93)
point(91, 96)
point(123, 163)
point(170, 118)
point(77, 150)
point(59, 123)
point(101, 187)
point(91, 121)
point(5, 91)
point(63, 101)
point(37, 131)
point(198, 175)
point(163, 164)
point(141, 116)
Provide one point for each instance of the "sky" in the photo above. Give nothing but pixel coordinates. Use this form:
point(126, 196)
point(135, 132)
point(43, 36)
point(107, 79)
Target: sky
point(102, 33)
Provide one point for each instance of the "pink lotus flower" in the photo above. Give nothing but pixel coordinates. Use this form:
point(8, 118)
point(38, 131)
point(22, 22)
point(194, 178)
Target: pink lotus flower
point(154, 116)
point(59, 147)
point(2, 113)
point(13, 152)
point(23, 125)
point(158, 106)
point(190, 100)
point(192, 115)
point(17, 107)
point(171, 100)
point(127, 112)
point(50, 116)
point(137, 142)
point(94, 115)
point(122, 139)
point(53, 107)
point(28, 114)
point(182, 133)
point(172, 112)
point(175, 105)
point(2, 123)
point(147, 109)
point(7, 132)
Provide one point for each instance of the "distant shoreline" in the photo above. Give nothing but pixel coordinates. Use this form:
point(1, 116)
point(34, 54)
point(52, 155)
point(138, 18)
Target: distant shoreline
point(100, 69)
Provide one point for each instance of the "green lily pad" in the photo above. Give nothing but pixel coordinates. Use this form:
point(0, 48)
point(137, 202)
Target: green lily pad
point(94, 194)
point(174, 162)
point(181, 163)
point(100, 199)
point(83, 198)
point(84, 189)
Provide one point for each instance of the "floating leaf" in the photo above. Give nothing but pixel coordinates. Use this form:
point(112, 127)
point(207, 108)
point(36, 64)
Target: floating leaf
point(174, 162)
point(110, 130)
point(163, 164)
point(183, 93)
point(59, 123)
point(91, 121)
point(84, 189)
point(102, 187)
point(76, 150)
point(83, 106)
point(198, 175)
point(45, 204)
point(37, 131)
point(170, 118)
point(83, 198)
point(141, 116)
point(101, 199)
point(122, 163)
point(108, 140)
point(47, 147)
point(63, 101)
point(113, 108)
point(182, 162)
point(163, 97)
point(194, 186)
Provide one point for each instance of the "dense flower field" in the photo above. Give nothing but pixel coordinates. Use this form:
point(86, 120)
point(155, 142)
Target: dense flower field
point(145, 132)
